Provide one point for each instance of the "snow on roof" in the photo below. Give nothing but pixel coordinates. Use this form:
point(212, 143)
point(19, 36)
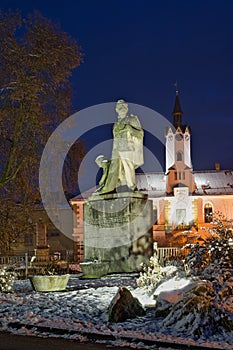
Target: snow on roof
point(210, 182)
point(154, 184)
point(213, 182)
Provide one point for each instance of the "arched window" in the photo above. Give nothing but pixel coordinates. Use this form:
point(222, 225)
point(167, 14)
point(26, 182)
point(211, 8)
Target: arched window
point(208, 212)
point(179, 156)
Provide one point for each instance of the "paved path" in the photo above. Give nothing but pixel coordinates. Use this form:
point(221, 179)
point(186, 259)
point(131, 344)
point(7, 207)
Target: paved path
point(10, 341)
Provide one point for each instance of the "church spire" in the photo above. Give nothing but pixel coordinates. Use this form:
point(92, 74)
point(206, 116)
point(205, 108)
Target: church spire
point(177, 111)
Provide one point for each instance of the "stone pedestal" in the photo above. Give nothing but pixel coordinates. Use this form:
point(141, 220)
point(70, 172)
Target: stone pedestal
point(118, 229)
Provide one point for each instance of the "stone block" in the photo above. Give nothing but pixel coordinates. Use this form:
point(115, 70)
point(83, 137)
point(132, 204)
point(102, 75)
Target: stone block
point(118, 229)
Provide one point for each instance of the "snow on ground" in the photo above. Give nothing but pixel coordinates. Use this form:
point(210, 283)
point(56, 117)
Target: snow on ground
point(83, 308)
point(173, 285)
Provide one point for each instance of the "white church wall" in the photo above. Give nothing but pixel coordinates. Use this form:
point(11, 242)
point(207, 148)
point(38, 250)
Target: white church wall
point(187, 150)
point(170, 150)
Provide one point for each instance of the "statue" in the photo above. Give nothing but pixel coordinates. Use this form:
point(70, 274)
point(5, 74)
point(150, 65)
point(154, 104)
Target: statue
point(102, 162)
point(127, 154)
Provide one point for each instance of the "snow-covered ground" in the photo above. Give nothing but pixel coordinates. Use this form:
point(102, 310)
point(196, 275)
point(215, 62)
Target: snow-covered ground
point(83, 309)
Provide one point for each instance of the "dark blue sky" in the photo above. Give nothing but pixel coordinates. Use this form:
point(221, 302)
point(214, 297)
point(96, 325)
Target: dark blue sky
point(138, 49)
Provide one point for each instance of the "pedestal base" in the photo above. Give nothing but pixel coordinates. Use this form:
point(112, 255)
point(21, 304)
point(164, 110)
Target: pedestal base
point(118, 229)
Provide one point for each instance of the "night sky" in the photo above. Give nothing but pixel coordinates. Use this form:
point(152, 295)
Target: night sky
point(136, 50)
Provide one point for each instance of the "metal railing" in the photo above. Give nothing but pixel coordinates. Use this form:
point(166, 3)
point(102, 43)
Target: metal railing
point(168, 252)
point(25, 265)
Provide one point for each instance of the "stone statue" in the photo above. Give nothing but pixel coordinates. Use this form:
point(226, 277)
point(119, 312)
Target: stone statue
point(127, 153)
point(102, 162)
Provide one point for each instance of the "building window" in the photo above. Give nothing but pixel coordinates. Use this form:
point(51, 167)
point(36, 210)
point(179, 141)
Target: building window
point(28, 239)
point(183, 175)
point(208, 212)
point(175, 175)
point(179, 156)
point(179, 175)
point(52, 233)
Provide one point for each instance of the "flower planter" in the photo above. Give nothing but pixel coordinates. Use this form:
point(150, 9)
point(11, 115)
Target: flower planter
point(53, 283)
point(93, 269)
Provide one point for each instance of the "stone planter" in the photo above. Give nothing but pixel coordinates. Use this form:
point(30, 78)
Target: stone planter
point(92, 269)
point(53, 283)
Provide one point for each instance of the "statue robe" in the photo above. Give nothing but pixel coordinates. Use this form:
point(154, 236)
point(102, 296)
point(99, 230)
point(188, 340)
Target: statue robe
point(127, 154)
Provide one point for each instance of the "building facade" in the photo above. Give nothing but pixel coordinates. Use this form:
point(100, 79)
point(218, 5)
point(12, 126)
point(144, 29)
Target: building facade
point(184, 200)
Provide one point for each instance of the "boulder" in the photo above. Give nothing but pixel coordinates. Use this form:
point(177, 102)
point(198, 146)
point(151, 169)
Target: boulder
point(124, 306)
point(166, 299)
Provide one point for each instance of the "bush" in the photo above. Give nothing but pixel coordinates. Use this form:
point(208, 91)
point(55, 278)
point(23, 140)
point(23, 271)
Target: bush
point(217, 251)
point(151, 275)
point(7, 278)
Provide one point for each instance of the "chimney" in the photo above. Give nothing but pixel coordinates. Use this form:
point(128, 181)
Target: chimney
point(217, 166)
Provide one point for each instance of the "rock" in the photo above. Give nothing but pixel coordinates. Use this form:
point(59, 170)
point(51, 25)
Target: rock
point(166, 299)
point(124, 306)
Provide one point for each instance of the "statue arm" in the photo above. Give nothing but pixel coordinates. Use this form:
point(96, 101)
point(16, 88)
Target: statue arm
point(120, 128)
point(135, 132)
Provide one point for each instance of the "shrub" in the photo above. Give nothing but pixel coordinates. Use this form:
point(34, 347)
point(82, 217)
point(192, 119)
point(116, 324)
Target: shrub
point(7, 277)
point(217, 251)
point(150, 275)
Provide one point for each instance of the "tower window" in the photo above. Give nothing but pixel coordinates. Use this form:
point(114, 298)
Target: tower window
point(208, 212)
point(179, 156)
point(183, 175)
point(175, 175)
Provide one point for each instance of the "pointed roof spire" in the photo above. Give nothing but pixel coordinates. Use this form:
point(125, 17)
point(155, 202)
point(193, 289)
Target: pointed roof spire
point(177, 111)
point(176, 86)
point(177, 107)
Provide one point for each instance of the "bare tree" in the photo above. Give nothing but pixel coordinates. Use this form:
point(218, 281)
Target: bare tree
point(36, 61)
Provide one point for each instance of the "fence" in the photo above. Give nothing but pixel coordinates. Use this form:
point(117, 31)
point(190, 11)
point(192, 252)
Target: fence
point(64, 260)
point(168, 252)
point(27, 264)
point(14, 260)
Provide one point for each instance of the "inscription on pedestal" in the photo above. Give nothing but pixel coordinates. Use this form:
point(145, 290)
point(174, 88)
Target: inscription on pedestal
point(119, 231)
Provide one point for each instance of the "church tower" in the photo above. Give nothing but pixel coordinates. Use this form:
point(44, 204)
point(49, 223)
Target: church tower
point(178, 153)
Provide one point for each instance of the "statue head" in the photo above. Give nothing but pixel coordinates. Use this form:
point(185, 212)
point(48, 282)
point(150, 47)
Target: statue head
point(121, 108)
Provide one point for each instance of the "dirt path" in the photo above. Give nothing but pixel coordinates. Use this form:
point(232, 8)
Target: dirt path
point(10, 341)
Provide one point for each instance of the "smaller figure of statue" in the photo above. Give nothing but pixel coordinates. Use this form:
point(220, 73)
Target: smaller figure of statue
point(102, 162)
point(127, 153)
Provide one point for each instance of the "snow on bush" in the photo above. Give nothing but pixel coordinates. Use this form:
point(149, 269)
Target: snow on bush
point(201, 312)
point(154, 274)
point(222, 226)
point(7, 278)
point(218, 250)
point(150, 275)
point(206, 309)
